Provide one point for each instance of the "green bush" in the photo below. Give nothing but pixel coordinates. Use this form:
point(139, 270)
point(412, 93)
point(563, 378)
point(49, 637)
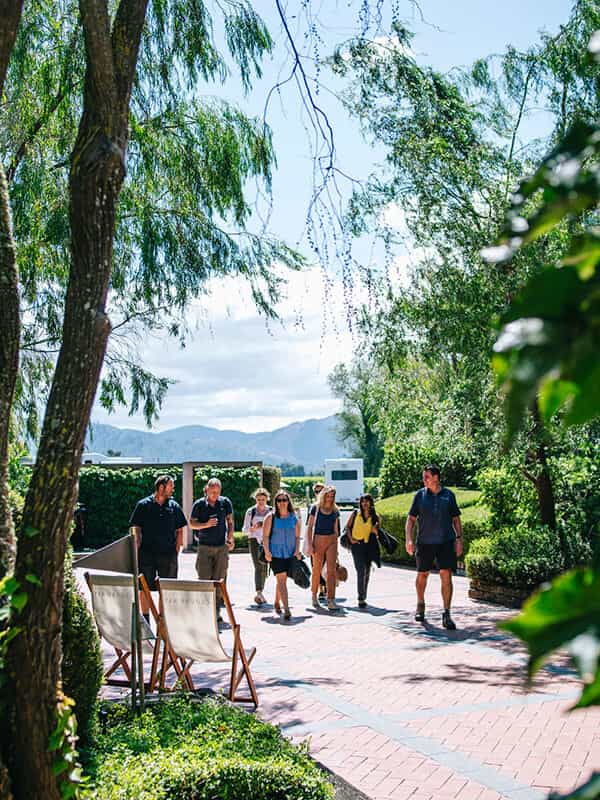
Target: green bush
point(185, 750)
point(297, 485)
point(16, 502)
point(523, 556)
point(271, 480)
point(110, 495)
point(403, 463)
point(82, 666)
point(394, 510)
point(510, 496)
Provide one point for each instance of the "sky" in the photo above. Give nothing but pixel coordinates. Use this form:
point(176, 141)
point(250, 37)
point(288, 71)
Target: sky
point(236, 371)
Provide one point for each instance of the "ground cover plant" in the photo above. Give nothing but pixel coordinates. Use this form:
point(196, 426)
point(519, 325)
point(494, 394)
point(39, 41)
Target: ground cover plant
point(182, 749)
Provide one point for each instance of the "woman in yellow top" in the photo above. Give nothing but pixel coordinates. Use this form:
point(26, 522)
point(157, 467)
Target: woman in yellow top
point(363, 524)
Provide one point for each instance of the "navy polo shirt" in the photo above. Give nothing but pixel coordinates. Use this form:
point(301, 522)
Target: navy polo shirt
point(159, 524)
point(435, 513)
point(203, 511)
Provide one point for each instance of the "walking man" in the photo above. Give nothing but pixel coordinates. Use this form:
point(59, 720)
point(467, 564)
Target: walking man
point(439, 539)
point(212, 518)
point(158, 523)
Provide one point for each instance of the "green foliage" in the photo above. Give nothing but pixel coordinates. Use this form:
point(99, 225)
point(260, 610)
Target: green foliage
point(356, 422)
point(551, 337)
point(508, 494)
point(298, 485)
point(62, 743)
point(288, 469)
point(403, 465)
point(183, 215)
point(110, 495)
point(184, 750)
point(524, 556)
point(82, 666)
point(394, 510)
point(272, 479)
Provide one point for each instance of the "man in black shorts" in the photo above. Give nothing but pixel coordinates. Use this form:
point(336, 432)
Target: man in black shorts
point(158, 522)
point(439, 540)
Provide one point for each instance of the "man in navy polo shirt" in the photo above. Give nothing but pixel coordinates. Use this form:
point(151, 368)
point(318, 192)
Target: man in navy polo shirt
point(158, 522)
point(212, 519)
point(439, 540)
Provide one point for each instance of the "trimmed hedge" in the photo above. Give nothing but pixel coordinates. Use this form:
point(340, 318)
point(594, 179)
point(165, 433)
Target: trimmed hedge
point(271, 480)
point(110, 495)
point(185, 750)
point(394, 510)
point(297, 485)
point(523, 557)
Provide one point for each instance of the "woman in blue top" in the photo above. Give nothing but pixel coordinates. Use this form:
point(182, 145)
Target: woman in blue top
point(281, 540)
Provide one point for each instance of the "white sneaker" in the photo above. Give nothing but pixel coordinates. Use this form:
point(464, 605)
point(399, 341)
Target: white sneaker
point(332, 606)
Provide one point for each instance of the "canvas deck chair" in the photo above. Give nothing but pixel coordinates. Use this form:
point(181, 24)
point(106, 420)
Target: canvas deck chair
point(169, 659)
point(188, 610)
point(112, 599)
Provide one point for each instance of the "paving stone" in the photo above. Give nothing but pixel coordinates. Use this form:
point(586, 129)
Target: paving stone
point(403, 710)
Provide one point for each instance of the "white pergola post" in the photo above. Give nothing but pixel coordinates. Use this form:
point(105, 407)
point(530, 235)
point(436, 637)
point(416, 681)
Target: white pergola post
point(187, 498)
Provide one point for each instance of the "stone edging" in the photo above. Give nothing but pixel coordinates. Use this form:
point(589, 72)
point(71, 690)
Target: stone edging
point(496, 593)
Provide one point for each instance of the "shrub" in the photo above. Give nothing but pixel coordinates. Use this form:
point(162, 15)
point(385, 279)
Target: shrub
point(16, 502)
point(82, 666)
point(403, 464)
point(509, 495)
point(271, 480)
point(524, 556)
point(185, 750)
point(394, 510)
point(298, 485)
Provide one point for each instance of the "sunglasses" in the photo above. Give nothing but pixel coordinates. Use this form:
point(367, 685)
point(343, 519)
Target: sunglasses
point(282, 500)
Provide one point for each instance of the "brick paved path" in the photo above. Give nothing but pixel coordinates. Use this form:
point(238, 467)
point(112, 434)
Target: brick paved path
point(403, 710)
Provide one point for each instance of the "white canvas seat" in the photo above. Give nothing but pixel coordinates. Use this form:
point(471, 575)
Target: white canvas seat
point(188, 611)
point(112, 601)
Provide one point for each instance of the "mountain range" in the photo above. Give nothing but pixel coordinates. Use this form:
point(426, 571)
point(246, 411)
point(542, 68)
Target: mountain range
point(308, 443)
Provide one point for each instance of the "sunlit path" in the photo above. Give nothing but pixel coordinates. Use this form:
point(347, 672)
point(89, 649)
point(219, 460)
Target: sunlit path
point(402, 710)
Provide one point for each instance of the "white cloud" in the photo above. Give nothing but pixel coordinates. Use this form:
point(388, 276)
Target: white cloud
point(239, 371)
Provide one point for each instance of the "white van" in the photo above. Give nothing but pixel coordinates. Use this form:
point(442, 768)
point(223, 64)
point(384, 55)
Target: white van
point(347, 475)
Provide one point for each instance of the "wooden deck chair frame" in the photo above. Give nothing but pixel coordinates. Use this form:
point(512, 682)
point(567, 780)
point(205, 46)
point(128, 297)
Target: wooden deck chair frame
point(122, 660)
point(169, 660)
point(240, 659)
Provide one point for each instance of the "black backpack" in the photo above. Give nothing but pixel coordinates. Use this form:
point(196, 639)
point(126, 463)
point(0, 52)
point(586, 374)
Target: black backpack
point(300, 572)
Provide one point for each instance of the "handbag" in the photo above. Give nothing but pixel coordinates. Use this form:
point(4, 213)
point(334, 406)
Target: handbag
point(300, 572)
point(345, 538)
point(387, 541)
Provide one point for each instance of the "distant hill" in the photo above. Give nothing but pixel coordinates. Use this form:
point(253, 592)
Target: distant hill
point(308, 443)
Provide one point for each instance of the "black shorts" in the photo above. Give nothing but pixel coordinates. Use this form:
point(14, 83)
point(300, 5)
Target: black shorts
point(279, 565)
point(152, 564)
point(442, 556)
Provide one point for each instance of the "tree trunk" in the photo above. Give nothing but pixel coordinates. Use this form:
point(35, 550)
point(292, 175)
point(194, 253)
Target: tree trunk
point(10, 331)
point(97, 172)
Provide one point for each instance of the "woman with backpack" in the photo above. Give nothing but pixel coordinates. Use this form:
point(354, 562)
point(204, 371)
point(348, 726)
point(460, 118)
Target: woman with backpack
point(253, 528)
point(362, 530)
point(281, 541)
point(322, 532)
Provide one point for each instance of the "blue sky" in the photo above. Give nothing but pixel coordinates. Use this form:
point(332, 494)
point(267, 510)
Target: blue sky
point(236, 372)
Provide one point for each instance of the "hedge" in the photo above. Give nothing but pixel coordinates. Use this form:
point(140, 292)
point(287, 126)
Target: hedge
point(184, 750)
point(394, 510)
point(110, 495)
point(523, 556)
